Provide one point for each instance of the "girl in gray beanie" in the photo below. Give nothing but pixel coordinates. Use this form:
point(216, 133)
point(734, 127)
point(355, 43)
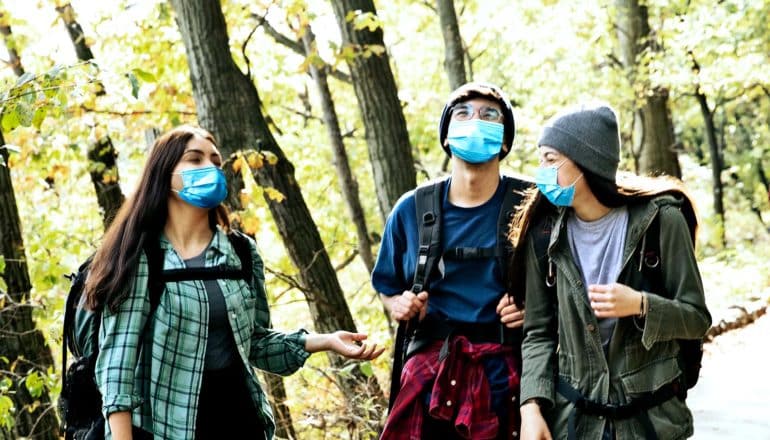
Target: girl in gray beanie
point(611, 280)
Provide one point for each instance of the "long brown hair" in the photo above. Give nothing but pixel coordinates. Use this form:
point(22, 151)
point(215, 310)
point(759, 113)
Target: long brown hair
point(628, 189)
point(140, 221)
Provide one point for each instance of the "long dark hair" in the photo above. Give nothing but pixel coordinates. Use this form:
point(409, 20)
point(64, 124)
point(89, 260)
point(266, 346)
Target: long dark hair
point(140, 221)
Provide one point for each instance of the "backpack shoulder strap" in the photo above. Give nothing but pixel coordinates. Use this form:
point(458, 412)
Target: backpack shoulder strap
point(428, 214)
point(155, 281)
point(427, 202)
point(240, 242)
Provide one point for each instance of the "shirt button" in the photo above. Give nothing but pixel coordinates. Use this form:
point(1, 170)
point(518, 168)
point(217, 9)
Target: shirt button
point(515, 434)
point(590, 327)
point(513, 400)
point(453, 382)
point(448, 403)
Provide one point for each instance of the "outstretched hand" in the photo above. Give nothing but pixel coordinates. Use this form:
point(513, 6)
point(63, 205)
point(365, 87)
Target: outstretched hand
point(351, 345)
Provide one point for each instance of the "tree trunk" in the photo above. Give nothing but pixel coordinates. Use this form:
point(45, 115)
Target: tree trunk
point(20, 341)
point(13, 56)
point(390, 152)
point(104, 175)
point(75, 31)
point(716, 161)
point(454, 54)
point(656, 155)
point(101, 155)
point(653, 134)
point(228, 104)
point(284, 426)
point(345, 176)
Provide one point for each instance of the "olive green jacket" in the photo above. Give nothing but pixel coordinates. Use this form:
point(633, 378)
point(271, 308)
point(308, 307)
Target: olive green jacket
point(642, 355)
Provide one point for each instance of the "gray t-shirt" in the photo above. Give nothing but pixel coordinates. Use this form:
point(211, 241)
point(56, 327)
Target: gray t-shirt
point(220, 349)
point(597, 248)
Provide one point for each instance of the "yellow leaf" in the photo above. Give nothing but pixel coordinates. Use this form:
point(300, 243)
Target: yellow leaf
point(250, 225)
point(245, 198)
point(274, 194)
point(255, 161)
point(237, 165)
point(271, 158)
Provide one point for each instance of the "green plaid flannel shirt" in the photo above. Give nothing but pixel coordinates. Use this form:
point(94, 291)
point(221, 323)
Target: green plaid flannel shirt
point(162, 388)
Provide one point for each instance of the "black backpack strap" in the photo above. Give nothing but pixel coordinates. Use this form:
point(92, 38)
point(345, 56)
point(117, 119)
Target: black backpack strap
point(240, 242)
point(650, 264)
point(428, 200)
point(428, 210)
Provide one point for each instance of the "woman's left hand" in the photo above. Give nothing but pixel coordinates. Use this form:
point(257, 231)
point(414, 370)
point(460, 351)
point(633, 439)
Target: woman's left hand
point(614, 300)
point(351, 345)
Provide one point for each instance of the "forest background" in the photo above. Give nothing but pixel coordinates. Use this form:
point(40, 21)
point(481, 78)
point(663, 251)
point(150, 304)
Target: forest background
point(330, 111)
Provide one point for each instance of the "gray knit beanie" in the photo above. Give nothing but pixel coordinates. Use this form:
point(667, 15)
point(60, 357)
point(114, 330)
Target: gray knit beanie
point(589, 136)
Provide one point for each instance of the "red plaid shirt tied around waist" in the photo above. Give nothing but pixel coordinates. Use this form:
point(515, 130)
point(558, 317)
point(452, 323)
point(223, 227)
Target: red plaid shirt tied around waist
point(459, 390)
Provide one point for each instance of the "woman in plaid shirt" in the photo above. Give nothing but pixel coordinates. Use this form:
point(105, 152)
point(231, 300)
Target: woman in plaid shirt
point(192, 378)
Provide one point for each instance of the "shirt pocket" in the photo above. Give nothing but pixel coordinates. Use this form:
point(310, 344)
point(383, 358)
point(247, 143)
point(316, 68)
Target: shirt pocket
point(651, 376)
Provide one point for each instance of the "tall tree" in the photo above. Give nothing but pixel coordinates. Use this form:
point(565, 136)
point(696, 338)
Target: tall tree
point(454, 53)
point(13, 56)
point(715, 151)
point(229, 105)
point(345, 175)
point(101, 155)
point(24, 348)
point(653, 134)
point(390, 151)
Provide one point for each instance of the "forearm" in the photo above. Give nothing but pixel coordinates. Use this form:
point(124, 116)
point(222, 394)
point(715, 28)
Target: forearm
point(120, 425)
point(388, 300)
point(316, 342)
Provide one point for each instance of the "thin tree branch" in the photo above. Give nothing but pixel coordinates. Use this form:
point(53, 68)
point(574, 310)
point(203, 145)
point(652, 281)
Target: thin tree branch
point(297, 47)
point(136, 112)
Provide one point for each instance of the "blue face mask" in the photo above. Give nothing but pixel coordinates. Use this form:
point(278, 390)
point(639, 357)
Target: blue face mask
point(547, 181)
point(203, 187)
point(475, 141)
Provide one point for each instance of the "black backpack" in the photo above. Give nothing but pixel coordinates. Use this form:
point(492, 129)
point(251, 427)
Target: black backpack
point(428, 200)
point(648, 260)
point(80, 403)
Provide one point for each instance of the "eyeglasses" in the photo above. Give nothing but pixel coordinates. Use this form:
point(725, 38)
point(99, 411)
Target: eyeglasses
point(464, 112)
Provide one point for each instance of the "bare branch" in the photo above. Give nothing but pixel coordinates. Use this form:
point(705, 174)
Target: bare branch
point(136, 112)
point(296, 46)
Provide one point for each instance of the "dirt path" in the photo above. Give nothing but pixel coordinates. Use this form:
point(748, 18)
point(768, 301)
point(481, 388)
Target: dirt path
point(732, 397)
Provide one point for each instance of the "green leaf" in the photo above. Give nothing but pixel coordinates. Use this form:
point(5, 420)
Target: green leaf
point(38, 117)
point(10, 120)
point(134, 85)
point(6, 412)
point(366, 369)
point(144, 76)
point(34, 384)
point(24, 112)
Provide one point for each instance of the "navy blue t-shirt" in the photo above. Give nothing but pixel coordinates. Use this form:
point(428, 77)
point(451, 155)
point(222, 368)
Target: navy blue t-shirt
point(468, 290)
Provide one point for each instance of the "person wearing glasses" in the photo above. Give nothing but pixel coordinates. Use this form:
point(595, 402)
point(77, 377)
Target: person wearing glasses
point(461, 375)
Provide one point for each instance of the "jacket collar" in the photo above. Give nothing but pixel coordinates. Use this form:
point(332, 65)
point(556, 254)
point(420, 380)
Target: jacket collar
point(640, 216)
